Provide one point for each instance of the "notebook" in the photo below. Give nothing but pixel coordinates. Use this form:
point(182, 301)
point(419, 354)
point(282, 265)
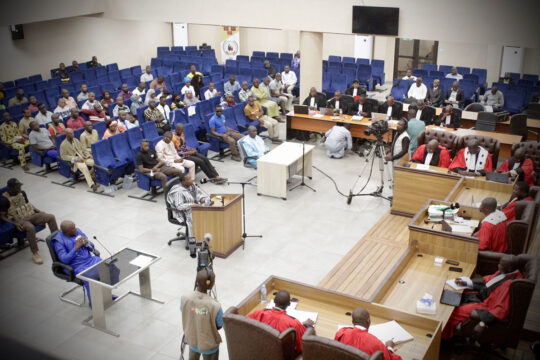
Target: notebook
point(450, 298)
point(390, 330)
point(497, 177)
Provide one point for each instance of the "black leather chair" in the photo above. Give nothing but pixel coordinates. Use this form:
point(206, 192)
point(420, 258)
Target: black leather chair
point(487, 121)
point(490, 144)
point(179, 235)
point(65, 272)
point(374, 104)
point(518, 126)
point(475, 107)
point(320, 348)
point(532, 151)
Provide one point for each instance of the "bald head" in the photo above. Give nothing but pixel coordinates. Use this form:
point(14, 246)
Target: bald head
point(204, 283)
point(488, 205)
point(473, 145)
point(360, 316)
point(282, 299)
point(68, 228)
point(519, 154)
point(432, 146)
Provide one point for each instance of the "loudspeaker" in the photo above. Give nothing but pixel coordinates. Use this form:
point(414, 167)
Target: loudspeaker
point(16, 32)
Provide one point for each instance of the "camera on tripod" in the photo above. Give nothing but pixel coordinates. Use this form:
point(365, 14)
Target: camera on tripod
point(377, 129)
point(204, 254)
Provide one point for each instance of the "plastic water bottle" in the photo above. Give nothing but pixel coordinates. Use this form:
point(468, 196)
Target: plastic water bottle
point(263, 293)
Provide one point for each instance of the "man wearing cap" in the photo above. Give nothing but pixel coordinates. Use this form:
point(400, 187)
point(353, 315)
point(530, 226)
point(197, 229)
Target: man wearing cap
point(17, 210)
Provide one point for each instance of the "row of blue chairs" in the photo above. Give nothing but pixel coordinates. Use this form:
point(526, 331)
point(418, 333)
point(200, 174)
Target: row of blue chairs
point(351, 67)
point(477, 75)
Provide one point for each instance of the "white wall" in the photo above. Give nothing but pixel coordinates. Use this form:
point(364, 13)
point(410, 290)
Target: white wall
point(48, 43)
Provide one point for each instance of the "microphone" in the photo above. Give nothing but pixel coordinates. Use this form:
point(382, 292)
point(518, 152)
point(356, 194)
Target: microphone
point(88, 246)
point(109, 260)
point(349, 198)
point(207, 237)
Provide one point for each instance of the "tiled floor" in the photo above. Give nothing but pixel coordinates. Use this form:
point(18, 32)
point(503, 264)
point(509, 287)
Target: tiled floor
point(304, 237)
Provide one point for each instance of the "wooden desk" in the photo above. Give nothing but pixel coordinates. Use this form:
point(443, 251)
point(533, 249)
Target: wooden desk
point(280, 164)
point(223, 221)
point(504, 126)
point(324, 123)
point(332, 307)
point(471, 192)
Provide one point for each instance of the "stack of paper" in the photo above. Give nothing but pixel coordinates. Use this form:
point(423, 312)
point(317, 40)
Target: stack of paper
point(357, 117)
point(453, 285)
point(141, 261)
point(390, 330)
point(271, 304)
point(300, 315)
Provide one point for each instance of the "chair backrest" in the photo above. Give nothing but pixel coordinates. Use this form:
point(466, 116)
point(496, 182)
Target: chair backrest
point(490, 144)
point(149, 129)
point(519, 230)
point(374, 104)
point(135, 137)
point(102, 153)
point(319, 348)
point(476, 107)
point(518, 126)
point(532, 151)
point(120, 146)
point(172, 182)
point(445, 138)
point(486, 121)
point(246, 339)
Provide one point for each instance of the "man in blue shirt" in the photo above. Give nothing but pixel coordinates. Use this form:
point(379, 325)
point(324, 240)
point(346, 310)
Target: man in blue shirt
point(414, 128)
point(219, 129)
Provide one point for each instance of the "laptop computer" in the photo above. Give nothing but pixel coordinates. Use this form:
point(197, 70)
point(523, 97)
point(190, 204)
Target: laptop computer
point(451, 298)
point(378, 116)
point(497, 177)
point(301, 109)
point(326, 111)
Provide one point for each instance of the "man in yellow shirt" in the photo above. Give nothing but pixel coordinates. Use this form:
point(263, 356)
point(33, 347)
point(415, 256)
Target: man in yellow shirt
point(11, 137)
point(261, 94)
point(72, 151)
point(254, 112)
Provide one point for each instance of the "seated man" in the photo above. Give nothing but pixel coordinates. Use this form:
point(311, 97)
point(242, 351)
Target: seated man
point(278, 319)
point(355, 90)
point(187, 87)
point(232, 85)
point(227, 101)
point(454, 96)
point(166, 152)
point(44, 116)
point(11, 138)
point(158, 83)
point(424, 114)
point(254, 146)
point(56, 127)
point(315, 100)
point(63, 111)
point(93, 63)
point(519, 166)
point(181, 197)
point(225, 133)
point(472, 160)
point(164, 108)
point(409, 76)
point(97, 114)
point(148, 163)
point(289, 79)
point(432, 154)
point(191, 154)
point(400, 144)
point(448, 118)
point(494, 98)
point(32, 104)
point(83, 95)
point(337, 140)
point(124, 92)
point(18, 211)
point(358, 336)
point(337, 103)
point(70, 101)
point(18, 99)
point(72, 151)
point(190, 98)
point(492, 233)
point(113, 128)
point(211, 92)
point(140, 89)
point(24, 122)
point(127, 120)
point(74, 67)
point(261, 94)
point(519, 193)
point(277, 90)
point(363, 108)
point(90, 102)
point(245, 92)
point(120, 106)
point(88, 136)
point(269, 68)
point(62, 73)
point(454, 74)
point(390, 108)
point(146, 75)
point(75, 121)
point(254, 112)
point(434, 94)
point(196, 80)
point(153, 114)
point(488, 299)
point(417, 91)
point(42, 141)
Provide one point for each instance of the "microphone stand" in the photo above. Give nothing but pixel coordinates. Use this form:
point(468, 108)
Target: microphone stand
point(244, 234)
point(303, 167)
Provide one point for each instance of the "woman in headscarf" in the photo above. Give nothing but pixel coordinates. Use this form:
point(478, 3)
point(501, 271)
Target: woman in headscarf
point(113, 128)
point(150, 95)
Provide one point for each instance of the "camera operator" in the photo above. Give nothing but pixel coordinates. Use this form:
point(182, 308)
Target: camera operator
point(400, 145)
point(202, 317)
point(182, 196)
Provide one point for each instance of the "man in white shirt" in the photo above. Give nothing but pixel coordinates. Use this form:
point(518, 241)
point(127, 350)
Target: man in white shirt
point(337, 140)
point(166, 152)
point(140, 89)
point(164, 108)
point(276, 90)
point(187, 87)
point(232, 85)
point(124, 118)
point(454, 74)
point(418, 90)
point(409, 76)
point(83, 95)
point(211, 92)
point(254, 146)
point(43, 116)
point(147, 75)
point(120, 106)
point(91, 102)
point(63, 111)
point(289, 79)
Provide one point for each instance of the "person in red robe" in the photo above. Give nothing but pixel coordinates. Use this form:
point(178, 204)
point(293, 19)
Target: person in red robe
point(439, 155)
point(358, 336)
point(472, 160)
point(278, 319)
point(492, 232)
point(488, 299)
point(519, 166)
point(520, 193)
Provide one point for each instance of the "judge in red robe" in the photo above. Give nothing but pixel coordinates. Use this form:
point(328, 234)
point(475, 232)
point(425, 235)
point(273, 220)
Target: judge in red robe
point(520, 193)
point(519, 166)
point(492, 233)
point(472, 160)
point(489, 297)
point(432, 154)
point(279, 320)
point(358, 336)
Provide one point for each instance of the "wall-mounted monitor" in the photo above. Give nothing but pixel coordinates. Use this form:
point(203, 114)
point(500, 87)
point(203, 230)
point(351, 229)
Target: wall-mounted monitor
point(375, 20)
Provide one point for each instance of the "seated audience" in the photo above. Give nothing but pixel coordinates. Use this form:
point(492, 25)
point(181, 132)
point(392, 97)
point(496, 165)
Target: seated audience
point(432, 154)
point(70, 101)
point(400, 144)
point(42, 141)
point(409, 76)
point(192, 154)
point(113, 128)
point(265, 86)
point(24, 122)
point(519, 193)
point(254, 112)
point(472, 160)
point(167, 153)
point(390, 108)
point(519, 166)
point(269, 68)
point(140, 89)
point(425, 116)
point(120, 106)
point(448, 118)
point(75, 121)
point(153, 114)
point(454, 74)
point(106, 101)
point(261, 94)
point(196, 80)
point(219, 129)
point(358, 336)
point(124, 92)
point(211, 92)
point(177, 102)
point(190, 98)
point(228, 101)
point(337, 140)
point(434, 94)
point(83, 95)
point(151, 95)
point(18, 99)
point(88, 136)
point(43, 117)
point(289, 79)
point(254, 146)
point(56, 127)
point(245, 92)
point(32, 104)
point(158, 83)
point(74, 67)
point(148, 163)
point(278, 319)
point(187, 87)
point(414, 128)
point(487, 298)
point(164, 108)
point(62, 73)
point(90, 102)
point(136, 103)
point(72, 151)
point(295, 62)
point(232, 85)
point(277, 90)
point(11, 138)
point(507, 79)
point(125, 119)
point(337, 103)
point(93, 63)
point(494, 98)
point(454, 95)
point(492, 234)
point(315, 100)
point(363, 108)
point(146, 76)
point(15, 208)
point(355, 90)
point(181, 197)
point(97, 114)
point(418, 90)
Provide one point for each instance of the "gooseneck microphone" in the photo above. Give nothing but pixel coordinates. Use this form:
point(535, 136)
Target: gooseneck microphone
point(111, 259)
point(349, 198)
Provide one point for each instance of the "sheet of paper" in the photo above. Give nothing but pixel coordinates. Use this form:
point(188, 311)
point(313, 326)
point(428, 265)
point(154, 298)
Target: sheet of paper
point(453, 285)
point(318, 115)
point(191, 110)
point(302, 316)
point(462, 229)
point(422, 167)
point(390, 331)
point(141, 261)
point(357, 118)
point(271, 304)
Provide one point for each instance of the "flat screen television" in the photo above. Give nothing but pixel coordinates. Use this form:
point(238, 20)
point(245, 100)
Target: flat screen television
point(375, 20)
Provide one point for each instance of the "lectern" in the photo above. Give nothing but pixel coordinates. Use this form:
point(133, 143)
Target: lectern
point(223, 220)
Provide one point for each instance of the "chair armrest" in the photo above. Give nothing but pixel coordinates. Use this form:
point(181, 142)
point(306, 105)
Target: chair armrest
point(96, 252)
point(535, 134)
point(70, 274)
point(103, 169)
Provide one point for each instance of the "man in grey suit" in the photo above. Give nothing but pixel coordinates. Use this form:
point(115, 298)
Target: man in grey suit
point(434, 94)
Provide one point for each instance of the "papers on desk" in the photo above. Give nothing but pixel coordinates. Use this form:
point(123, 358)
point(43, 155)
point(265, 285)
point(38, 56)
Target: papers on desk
point(300, 315)
point(318, 115)
point(392, 123)
point(390, 330)
point(357, 118)
point(141, 261)
point(453, 285)
point(422, 167)
point(460, 225)
point(271, 304)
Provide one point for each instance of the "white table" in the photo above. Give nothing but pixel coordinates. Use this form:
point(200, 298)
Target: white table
point(279, 165)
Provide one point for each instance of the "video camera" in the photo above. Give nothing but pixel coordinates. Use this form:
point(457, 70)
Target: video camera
point(204, 255)
point(378, 129)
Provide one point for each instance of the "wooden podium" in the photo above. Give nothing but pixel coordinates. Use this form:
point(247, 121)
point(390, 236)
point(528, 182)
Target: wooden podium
point(222, 220)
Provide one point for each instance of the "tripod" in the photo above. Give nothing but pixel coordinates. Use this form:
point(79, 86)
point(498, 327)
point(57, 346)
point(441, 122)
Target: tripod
point(303, 167)
point(244, 234)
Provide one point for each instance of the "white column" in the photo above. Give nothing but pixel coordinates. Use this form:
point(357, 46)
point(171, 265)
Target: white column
point(311, 49)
